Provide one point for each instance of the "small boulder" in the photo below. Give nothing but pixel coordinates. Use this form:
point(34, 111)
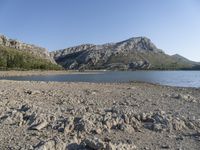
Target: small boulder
point(39, 126)
point(93, 143)
point(110, 146)
point(51, 145)
point(178, 124)
point(48, 145)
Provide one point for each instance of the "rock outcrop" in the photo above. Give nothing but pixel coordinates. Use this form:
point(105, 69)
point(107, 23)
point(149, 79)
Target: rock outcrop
point(32, 49)
point(131, 54)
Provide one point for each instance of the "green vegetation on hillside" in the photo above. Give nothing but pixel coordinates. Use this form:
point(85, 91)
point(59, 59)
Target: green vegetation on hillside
point(158, 61)
point(165, 62)
point(11, 58)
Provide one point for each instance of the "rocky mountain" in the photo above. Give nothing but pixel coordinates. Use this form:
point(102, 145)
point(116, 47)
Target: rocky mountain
point(19, 55)
point(35, 50)
point(131, 54)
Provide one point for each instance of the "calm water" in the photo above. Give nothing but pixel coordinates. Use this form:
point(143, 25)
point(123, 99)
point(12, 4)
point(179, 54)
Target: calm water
point(172, 78)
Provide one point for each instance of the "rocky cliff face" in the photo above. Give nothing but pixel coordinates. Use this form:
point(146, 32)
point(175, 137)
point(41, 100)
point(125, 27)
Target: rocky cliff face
point(35, 50)
point(134, 53)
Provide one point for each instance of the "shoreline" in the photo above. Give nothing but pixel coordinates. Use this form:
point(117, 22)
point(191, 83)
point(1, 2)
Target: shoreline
point(101, 83)
point(39, 72)
point(4, 75)
point(133, 115)
point(54, 72)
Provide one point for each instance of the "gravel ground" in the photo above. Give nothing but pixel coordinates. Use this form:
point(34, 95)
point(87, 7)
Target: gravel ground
point(58, 116)
point(38, 72)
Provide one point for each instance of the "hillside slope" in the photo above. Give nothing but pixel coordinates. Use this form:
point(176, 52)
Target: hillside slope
point(11, 58)
point(131, 54)
point(18, 55)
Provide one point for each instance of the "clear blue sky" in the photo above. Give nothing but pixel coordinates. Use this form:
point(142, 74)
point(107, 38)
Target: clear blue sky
point(173, 25)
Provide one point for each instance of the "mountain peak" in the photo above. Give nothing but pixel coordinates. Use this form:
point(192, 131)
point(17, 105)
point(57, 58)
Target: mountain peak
point(138, 43)
point(136, 39)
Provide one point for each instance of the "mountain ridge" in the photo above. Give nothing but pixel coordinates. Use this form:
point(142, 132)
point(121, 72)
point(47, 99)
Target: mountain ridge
point(136, 53)
point(18, 55)
point(133, 53)
point(31, 48)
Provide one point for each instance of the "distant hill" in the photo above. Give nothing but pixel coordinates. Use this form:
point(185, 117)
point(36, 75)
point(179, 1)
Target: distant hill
point(134, 53)
point(18, 55)
point(181, 58)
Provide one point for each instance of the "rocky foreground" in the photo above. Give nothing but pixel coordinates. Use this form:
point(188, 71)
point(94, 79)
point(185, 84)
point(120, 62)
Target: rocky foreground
point(58, 116)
